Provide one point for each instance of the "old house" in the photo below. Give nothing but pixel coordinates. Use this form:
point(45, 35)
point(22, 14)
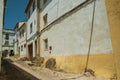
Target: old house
point(16, 51)
point(82, 35)
point(20, 39)
point(32, 28)
point(77, 34)
point(8, 43)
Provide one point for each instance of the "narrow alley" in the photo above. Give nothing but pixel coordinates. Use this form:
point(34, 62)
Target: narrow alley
point(59, 40)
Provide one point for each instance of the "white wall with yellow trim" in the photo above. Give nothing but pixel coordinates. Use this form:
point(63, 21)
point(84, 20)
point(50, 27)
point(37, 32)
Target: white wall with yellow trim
point(70, 40)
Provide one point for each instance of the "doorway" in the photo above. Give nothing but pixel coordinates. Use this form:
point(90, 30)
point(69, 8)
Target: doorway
point(30, 51)
point(36, 48)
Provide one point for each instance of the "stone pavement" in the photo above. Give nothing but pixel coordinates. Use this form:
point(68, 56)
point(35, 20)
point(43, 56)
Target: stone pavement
point(41, 73)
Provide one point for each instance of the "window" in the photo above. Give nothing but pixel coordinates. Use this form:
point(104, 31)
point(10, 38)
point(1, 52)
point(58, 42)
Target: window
point(45, 19)
point(23, 32)
point(31, 9)
point(31, 28)
point(20, 34)
point(18, 49)
point(46, 44)
point(6, 42)
point(21, 48)
point(7, 36)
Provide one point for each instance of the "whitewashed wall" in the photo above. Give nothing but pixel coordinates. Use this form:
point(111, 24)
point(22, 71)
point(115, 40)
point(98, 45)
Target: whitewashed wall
point(101, 42)
point(22, 52)
point(71, 36)
point(56, 8)
point(16, 42)
point(11, 38)
point(10, 46)
point(31, 36)
point(17, 37)
point(16, 48)
point(22, 40)
point(33, 20)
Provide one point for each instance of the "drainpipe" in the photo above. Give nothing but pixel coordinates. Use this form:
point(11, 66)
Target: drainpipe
point(91, 35)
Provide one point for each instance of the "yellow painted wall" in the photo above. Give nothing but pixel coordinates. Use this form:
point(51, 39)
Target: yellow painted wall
point(113, 9)
point(102, 64)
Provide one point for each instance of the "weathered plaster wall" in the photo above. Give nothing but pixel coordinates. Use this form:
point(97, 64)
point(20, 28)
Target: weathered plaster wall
point(11, 38)
point(17, 37)
point(31, 37)
point(101, 64)
point(70, 38)
point(66, 38)
point(22, 40)
point(33, 20)
point(113, 10)
point(63, 7)
point(57, 8)
point(10, 45)
point(16, 42)
point(16, 48)
point(101, 40)
point(72, 35)
point(22, 52)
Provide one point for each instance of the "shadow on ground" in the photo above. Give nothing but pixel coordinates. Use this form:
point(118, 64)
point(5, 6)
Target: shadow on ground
point(10, 73)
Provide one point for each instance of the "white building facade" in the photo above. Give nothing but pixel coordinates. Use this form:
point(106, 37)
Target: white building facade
point(8, 43)
point(16, 51)
point(20, 39)
point(75, 33)
point(70, 30)
point(32, 28)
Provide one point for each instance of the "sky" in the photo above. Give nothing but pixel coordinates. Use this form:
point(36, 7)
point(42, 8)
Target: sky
point(14, 12)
